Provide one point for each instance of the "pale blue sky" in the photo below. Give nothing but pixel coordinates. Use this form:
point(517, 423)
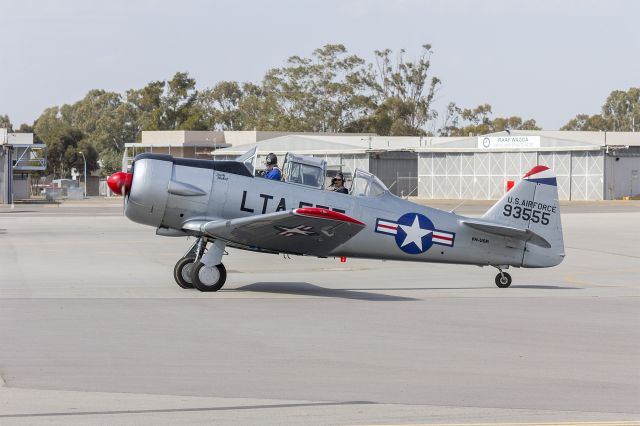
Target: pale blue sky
point(547, 60)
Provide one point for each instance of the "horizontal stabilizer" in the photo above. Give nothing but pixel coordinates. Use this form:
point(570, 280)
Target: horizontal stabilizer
point(507, 231)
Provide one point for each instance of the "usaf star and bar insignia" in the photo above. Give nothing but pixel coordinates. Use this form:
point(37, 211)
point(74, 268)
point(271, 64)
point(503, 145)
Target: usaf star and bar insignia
point(414, 233)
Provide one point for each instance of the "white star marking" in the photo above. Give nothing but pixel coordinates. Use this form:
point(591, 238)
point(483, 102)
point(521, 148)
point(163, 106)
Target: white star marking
point(414, 233)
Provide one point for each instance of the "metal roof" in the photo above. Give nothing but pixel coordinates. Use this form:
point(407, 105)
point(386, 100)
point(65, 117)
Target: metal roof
point(357, 144)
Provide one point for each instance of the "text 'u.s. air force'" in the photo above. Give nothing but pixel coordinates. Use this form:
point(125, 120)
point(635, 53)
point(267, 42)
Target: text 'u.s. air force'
point(528, 210)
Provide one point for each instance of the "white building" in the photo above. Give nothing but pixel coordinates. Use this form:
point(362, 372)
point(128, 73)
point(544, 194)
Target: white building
point(589, 165)
point(19, 157)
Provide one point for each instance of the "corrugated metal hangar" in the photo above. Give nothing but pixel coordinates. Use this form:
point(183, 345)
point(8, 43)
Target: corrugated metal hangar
point(589, 165)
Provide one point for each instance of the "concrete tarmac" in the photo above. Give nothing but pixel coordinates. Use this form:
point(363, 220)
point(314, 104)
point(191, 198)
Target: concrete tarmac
point(93, 330)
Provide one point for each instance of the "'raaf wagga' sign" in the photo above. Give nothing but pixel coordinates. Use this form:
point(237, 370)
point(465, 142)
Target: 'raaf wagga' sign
point(493, 142)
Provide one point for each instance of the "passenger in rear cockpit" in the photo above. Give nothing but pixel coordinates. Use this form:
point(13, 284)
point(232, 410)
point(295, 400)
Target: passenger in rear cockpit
point(337, 183)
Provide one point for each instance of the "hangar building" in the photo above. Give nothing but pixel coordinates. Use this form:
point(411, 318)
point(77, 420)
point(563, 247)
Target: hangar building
point(589, 165)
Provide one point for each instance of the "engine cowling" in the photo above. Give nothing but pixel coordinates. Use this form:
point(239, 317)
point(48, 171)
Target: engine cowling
point(147, 196)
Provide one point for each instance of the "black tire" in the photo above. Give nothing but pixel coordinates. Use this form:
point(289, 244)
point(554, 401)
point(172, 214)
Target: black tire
point(503, 280)
point(182, 272)
point(197, 275)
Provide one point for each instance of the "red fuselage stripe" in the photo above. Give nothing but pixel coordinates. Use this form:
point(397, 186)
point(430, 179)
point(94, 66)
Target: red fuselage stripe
point(442, 237)
point(388, 226)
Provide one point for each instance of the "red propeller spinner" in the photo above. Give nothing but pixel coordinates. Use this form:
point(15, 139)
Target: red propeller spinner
point(120, 182)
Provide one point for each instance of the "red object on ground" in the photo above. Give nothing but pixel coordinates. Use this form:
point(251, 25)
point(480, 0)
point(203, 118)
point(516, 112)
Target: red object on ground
point(510, 184)
point(343, 259)
point(118, 181)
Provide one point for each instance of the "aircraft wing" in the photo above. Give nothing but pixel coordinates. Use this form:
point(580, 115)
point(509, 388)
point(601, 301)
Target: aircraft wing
point(311, 231)
point(507, 231)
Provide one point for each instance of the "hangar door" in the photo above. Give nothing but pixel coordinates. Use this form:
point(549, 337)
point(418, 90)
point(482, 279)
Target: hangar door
point(398, 170)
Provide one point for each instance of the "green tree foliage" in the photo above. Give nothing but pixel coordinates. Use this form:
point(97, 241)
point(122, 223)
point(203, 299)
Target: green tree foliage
point(64, 142)
point(317, 94)
point(402, 92)
point(5, 123)
point(164, 105)
point(260, 110)
point(102, 122)
point(146, 106)
point(220, 106)
point(477, 121)
point(24, 128)
point(622, 110)
point(329, 91)
point(586, 122)
point(110, 162)
point(103, 117)
point(178, 103)
point(96, 124)
point(620, 113)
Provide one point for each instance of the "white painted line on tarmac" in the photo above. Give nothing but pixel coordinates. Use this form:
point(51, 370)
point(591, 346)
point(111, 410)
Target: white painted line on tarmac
point(568, 423)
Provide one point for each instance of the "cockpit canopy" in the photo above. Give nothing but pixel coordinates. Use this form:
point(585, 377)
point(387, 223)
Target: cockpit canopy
point(311, 171)
point(366, 184)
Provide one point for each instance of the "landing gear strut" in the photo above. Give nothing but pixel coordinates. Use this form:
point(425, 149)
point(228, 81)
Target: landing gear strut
point(201, 267)
point(503, 280)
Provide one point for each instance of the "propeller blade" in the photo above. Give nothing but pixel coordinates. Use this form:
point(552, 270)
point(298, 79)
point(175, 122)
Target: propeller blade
point(124, 197)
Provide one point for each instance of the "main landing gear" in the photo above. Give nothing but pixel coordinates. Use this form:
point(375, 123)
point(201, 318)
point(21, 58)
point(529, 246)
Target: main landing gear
point(201, 267)
point(503, 280)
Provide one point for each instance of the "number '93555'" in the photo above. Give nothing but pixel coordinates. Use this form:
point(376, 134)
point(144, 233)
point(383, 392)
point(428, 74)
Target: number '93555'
point(526, 214)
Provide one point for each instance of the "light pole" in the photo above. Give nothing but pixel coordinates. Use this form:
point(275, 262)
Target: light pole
point(84, 160)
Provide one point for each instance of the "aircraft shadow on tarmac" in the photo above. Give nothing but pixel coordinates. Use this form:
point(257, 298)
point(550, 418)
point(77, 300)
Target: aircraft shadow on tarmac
point(306, 289)
point(18, 211)
point(546, 287)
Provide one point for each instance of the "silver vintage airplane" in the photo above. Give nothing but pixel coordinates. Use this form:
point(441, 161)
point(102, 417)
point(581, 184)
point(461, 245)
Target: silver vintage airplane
point(223, 203)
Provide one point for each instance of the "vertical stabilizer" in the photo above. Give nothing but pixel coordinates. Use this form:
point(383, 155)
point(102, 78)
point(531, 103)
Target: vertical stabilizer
point(533, 204)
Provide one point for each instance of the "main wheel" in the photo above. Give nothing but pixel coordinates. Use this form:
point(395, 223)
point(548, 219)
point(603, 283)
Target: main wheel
point(503, 280)
point(182, 272)
point(208, 278)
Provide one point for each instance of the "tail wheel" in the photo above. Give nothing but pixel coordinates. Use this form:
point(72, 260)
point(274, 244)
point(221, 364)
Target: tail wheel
point(503, 280)
point(208, 278)
point(182, 272)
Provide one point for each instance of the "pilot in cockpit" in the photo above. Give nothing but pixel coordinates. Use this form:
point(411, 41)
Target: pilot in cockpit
point(273, 171)
point(337, 183)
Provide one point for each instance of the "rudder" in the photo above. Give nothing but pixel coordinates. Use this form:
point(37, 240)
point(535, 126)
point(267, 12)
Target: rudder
point(533, 204)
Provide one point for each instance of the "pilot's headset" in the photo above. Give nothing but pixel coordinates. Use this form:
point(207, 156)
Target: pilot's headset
point(338, 175)
point(271, 159)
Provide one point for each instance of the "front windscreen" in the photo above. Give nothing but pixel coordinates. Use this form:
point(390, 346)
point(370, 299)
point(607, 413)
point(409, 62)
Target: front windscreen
point(305, 175)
